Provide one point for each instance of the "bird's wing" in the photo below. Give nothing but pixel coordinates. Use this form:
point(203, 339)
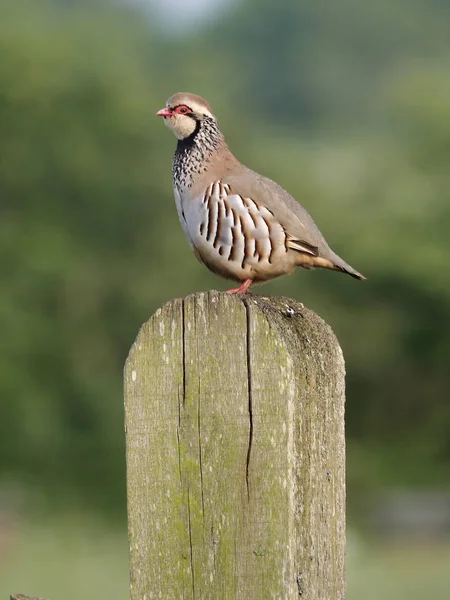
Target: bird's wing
point(302, 233)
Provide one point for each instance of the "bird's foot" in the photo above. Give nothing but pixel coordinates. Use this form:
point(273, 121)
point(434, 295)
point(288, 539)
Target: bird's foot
point(242, 289)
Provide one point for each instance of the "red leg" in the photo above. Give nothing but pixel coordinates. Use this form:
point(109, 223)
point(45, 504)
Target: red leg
point(243, 288)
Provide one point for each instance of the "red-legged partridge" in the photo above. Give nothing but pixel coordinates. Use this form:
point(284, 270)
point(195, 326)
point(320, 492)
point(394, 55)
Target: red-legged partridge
point(240, 224)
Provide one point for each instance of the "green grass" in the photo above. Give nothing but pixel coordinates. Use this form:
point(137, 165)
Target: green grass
point(78, 558)
point(398, 571)
point(70, 559)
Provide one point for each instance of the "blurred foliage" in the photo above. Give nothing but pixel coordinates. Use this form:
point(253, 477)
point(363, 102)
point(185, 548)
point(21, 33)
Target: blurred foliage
point(347, 105)
point(311, 62)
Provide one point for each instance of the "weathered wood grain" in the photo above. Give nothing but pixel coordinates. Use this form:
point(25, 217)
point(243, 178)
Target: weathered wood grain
point(234, 411)
point(22, 597)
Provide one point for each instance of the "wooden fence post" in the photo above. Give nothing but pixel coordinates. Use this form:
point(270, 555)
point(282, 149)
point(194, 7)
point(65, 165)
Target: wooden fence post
point(234, 415)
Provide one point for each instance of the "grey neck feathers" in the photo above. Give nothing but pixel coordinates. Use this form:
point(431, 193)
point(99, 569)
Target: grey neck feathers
point(194, 153)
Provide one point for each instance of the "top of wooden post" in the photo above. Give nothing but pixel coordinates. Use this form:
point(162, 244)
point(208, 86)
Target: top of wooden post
point(296, 322)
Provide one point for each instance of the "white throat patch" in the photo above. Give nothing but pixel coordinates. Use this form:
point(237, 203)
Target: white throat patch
point(181, 125)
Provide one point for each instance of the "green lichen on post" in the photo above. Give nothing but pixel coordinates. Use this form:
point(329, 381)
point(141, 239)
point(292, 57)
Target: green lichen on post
point(235, 452)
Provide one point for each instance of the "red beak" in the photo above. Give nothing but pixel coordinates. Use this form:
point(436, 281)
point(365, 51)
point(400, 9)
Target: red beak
point(164, 112)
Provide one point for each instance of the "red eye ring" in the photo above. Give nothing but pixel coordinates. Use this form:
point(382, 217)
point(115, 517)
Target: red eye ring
point(182, 109)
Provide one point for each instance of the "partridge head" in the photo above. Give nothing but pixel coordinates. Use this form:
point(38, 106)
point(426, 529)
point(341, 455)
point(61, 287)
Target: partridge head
point(241, 225)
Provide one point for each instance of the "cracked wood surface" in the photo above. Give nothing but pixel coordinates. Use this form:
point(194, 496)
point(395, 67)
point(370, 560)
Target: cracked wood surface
point(234, 416)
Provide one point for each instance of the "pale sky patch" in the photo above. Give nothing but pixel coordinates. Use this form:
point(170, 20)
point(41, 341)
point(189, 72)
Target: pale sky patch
point(179, 14)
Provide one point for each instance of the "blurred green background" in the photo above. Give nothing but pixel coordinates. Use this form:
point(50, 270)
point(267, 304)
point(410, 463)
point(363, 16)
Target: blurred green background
point(347, 105)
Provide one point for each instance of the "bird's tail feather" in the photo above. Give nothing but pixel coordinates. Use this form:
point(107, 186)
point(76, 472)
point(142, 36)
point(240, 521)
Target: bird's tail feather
point(341, 265)
point(351, 271)
point(333, 262)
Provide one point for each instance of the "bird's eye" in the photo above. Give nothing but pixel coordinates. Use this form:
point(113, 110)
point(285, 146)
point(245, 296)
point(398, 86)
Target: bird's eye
point(183, 110)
